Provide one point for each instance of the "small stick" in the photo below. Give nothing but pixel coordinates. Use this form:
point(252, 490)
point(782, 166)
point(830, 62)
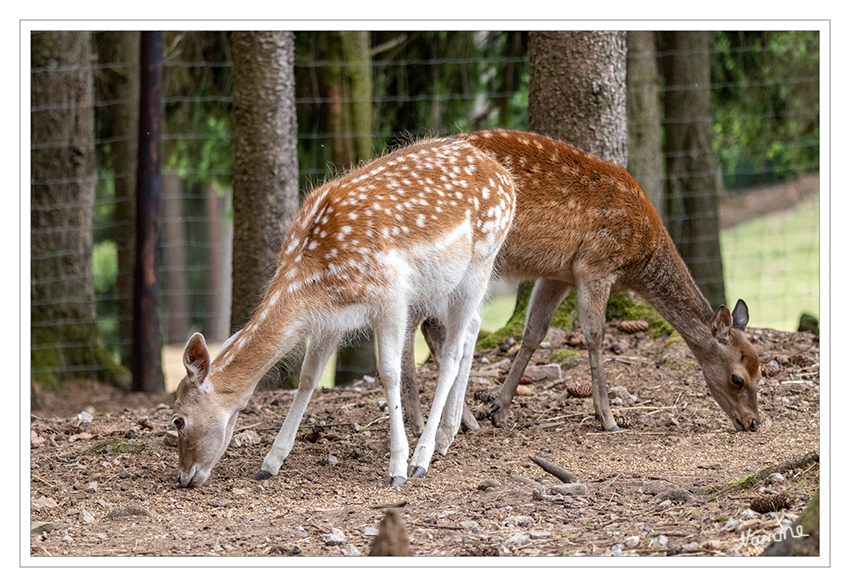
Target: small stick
point(381, 506)
point(553, 469)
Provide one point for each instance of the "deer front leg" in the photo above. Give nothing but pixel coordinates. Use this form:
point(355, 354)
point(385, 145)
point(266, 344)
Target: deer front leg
point(318, 353)
point(546, 296)
point(390, 333)
point(592, 299)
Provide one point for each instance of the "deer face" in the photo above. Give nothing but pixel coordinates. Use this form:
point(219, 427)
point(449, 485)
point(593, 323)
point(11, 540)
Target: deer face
point(204, 422)
point(732, 368)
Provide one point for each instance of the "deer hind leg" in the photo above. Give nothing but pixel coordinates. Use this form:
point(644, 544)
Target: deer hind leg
point(435, 335)
point(457, 325)
point(546, 296)
point(390, 331)
point(318, 353)
point(455, 403)
point(409, 386)
point(592, 300)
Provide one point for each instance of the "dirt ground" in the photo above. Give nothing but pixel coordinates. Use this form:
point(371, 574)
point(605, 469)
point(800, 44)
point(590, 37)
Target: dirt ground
point(107, 487)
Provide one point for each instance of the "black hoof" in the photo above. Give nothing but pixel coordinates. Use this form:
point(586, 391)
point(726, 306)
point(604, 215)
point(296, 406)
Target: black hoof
point(415, 472)
point(261, 475)
point(396, 481)
point(494, 408)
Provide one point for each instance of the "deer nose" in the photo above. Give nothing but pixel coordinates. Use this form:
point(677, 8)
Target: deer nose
point(751, 426)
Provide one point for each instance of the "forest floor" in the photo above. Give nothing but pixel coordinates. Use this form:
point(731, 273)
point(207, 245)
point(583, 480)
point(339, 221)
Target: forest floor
point(676, 481)
point(107, 487)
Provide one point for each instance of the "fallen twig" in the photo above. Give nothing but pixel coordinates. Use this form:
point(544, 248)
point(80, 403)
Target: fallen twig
point(553, 469)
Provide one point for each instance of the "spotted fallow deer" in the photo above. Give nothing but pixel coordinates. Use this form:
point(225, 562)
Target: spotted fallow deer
point(417, 229)
point(585, 223)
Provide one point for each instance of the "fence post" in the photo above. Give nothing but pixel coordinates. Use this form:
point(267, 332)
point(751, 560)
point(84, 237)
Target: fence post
point(147, 373)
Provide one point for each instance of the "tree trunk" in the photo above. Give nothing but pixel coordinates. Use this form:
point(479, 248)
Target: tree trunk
point(120, 122)
point(577, 90)
point(178, 317)
point(66, 342)
point(356, 358)
point(692, 197)
point(265, 162)
point(577, 93)
point(644, 116)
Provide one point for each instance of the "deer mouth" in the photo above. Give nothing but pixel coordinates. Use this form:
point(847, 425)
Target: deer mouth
point(194, 478)
point(751, 426)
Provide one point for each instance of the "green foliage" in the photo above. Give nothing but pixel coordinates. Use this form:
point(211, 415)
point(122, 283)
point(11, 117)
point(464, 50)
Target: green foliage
point(765, 104)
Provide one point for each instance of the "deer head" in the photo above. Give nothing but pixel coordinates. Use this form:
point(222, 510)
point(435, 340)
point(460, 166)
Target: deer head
point(731, 367)
point(204, 416)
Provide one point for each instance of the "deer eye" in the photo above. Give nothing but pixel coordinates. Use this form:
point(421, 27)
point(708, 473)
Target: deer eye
point(737, 381)
point(179, 422)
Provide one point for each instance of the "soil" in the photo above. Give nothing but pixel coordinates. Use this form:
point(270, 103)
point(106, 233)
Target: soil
point(107, 487)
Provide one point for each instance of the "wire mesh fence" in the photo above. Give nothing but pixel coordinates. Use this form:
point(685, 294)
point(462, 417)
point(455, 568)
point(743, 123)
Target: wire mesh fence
point(765, 117)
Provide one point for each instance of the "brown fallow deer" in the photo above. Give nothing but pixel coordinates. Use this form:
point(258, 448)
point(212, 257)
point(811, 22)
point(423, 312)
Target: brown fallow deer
point(585, 223)
point(417, 229)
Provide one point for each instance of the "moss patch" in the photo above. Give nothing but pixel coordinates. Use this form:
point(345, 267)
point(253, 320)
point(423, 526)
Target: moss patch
point(621, 306)
point(564, 357)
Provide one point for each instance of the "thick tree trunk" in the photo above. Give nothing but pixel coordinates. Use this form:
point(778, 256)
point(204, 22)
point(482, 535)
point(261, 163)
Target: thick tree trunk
point(66, 341)
point(577, 90)
point(577, 93)
point(644, 116)
point(265, 162)
point(119, 86)
point(691, 190)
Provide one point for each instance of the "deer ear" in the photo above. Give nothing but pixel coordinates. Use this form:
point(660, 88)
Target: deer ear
point(721, 324)
point(196, 359)
point(740, 316)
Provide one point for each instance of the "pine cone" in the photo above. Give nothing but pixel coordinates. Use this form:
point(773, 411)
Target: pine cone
point(769, 370)
point(770, 503)
point(623, 421)
point(579, 389)
point(576, 339)
point(632, 326)
point(800, 360)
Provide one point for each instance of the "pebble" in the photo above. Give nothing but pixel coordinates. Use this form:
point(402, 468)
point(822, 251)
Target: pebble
point(370, 531)
point(731, 524)
point(523, 521)
point(518, 539)
point(690, 546)
point(748, 514)
point(91, 487)
point(86, 517)
point(659, 541)
point(489, 484)
point(552, 372)
point(350, 550)
point(775, 478)
point(539, 534)
point(472, 526)
point(571, 489)
point(631, 541)
point(335, 537)
point(654, 487)
point(617, 549)
point(675, 494)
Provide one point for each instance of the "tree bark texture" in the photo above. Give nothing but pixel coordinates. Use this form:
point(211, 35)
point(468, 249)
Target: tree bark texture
point(265, 162)
point(644, 116)
point(118, 86)
point(354, 125)
point(146, 361)
point(66, 341)
point(690, 184)
point(577, 90)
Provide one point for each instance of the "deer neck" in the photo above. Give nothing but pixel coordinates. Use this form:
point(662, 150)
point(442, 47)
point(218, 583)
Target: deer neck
point(273, 330)
point(666, 283)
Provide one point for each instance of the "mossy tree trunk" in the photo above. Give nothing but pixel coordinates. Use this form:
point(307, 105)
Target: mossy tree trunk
point(354, 125)
point(66, 341)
